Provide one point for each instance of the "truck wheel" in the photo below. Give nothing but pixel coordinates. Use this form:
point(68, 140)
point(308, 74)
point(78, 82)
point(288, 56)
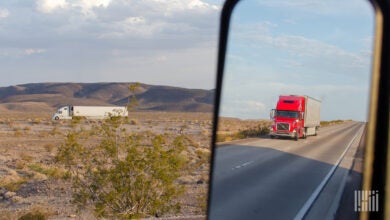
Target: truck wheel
point(56, 118)
point(296, 137)
point(304, 134)
point(271, 136)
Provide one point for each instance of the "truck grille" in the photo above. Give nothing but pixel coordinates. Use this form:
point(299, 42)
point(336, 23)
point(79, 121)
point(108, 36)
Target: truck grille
point(283, 126)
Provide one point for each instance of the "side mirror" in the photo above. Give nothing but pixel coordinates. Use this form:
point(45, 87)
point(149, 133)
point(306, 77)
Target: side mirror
point(302, 115)
point(272, 114)
point(292, 48)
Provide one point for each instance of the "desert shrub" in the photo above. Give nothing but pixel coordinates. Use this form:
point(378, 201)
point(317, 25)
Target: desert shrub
point(36, 213)
point(133, 122)
point(48, 171)
point(17, 132)
point(49, 147)
point(202, 201)
point(191, 141)
point(43, 134)
point(6, 215)
point(132, 101)
point(10, 123)
point(14, 185)
point(54, 131)
point(20, 164)
point(123, 175)
point(25, 156)
point(36, 121)
point(222, 138)
point(33, 216)
point(203, 156)
point(332, 122)
point(76, 120)
point(256, 131)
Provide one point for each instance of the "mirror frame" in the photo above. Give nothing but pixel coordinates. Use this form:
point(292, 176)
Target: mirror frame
point(376, 171)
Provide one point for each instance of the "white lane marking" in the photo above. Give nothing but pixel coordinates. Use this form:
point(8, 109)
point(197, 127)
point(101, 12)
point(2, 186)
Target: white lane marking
point(303, 211)
point(242, 165)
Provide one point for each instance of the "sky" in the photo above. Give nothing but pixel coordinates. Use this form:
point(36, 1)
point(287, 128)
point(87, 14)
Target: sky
point(304, 47)
point(161, 42)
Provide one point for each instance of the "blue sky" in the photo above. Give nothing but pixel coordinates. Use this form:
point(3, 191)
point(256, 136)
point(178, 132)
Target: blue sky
point(304, 47)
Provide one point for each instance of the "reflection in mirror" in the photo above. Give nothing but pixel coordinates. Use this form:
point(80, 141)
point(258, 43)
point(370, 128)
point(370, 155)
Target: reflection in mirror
point(293, 109)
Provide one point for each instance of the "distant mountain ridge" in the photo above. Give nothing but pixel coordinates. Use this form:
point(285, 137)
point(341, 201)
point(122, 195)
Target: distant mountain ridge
point(150, 97)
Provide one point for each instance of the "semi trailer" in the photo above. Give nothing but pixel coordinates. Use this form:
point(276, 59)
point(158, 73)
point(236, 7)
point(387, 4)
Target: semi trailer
point(295, 116)
point(90, 112)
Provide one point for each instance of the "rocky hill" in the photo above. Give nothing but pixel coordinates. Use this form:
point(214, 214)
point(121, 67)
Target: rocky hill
point(40, 96)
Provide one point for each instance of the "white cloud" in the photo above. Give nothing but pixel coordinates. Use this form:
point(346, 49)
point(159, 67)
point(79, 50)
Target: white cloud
point(4, 13)
point(134, 20)
point(172, 6)
point(294, 52)
point(16, 52)
point(87, 6)
point(164, 7)
point(31, 51)
point(133, 27)
point(163, 19)
point(49, 6)
point(106, 19)
point(306, 47)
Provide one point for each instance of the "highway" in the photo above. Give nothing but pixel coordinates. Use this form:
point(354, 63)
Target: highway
point(264, 178)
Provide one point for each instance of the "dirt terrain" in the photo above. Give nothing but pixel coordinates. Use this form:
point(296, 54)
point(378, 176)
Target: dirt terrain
point(32, 180)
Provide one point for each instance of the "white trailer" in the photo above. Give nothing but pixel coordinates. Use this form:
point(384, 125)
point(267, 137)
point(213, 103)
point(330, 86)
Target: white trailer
point(312, 115)
point(90, 112)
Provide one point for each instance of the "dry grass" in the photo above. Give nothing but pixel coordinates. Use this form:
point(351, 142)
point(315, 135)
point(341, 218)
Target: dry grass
point(11, 181)
point(333, 122)
point(36, 212)
point(232, 129)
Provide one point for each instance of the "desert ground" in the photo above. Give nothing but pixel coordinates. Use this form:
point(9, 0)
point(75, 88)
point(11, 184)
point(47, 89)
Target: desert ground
point(31, 180)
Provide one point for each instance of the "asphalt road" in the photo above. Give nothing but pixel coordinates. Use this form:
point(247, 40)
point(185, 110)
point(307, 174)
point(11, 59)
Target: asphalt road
point(281, 178)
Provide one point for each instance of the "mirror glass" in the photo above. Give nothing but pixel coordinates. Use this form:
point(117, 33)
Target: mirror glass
point(310, 61)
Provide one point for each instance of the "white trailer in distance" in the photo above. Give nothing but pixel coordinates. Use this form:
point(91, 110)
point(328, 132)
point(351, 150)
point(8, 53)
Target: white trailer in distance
point(89, 112)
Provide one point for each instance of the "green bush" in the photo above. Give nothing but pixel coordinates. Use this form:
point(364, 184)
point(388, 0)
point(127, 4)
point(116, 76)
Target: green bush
point(124, 175)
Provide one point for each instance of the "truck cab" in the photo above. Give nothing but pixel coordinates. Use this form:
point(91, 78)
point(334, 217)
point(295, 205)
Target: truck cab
point(64, 112)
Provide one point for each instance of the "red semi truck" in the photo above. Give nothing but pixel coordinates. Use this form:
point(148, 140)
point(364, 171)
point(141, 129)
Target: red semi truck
point(295, 116)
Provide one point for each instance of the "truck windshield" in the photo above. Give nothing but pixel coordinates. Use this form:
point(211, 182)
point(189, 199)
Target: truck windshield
point(287, 114)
